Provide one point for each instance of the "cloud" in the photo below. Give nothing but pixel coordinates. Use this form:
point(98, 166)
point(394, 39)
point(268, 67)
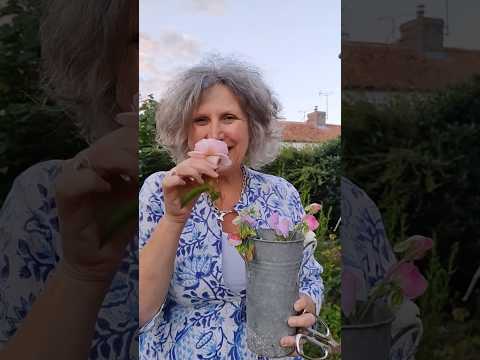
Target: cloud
point(161, 58)
point(210, 7)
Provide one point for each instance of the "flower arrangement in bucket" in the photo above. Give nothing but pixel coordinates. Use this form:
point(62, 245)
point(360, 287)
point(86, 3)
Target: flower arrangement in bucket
point(273, 257)
point(369, 321)
point(281, 226)
point(402, 280)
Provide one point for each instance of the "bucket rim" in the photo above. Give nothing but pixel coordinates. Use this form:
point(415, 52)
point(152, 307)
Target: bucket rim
point(389, 320)
point(278, 242)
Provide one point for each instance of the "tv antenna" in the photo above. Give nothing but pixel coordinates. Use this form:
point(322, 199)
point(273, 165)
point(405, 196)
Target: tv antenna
point(326, 94)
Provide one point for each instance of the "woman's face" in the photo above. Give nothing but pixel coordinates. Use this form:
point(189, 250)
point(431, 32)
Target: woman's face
point(220, 116)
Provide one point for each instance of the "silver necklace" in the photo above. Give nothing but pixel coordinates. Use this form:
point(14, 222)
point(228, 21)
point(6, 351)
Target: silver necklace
point(220, 214)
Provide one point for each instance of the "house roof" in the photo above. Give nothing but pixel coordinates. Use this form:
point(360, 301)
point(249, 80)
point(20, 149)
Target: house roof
point(390, 67)
point(293, 131)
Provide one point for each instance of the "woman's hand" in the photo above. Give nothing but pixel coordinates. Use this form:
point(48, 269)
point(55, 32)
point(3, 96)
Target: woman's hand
point(306, 319)
point(93, 185)
point(180, 180)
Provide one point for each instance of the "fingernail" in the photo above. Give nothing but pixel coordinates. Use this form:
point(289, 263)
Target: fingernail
point(283, 342)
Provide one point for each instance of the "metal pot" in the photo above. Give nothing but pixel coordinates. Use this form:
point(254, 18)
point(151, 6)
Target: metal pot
point(272, 289)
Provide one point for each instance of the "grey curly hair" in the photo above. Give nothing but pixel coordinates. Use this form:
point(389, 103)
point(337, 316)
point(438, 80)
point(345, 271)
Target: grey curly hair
point(83, 43)
point(182, 97)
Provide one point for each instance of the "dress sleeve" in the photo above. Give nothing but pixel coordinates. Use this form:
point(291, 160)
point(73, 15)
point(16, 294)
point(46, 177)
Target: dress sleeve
point(310, 281)
point(151, 209)
point(28, 252)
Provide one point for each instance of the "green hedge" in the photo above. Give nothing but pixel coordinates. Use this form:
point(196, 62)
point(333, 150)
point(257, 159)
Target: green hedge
point(419, 160)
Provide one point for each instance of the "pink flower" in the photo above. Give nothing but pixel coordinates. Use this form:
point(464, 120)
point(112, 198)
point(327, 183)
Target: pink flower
point(311, 222)
point(283, 226)
point(248, 219)
point(313, 208)
point(213, 150)
point(419, 245)
point(349, 288)
point(280, 224)
point(273, 220)
point(410, 280)
point(234, 239)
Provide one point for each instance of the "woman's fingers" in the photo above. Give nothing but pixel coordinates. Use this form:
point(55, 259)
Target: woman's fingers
point(187, 172)
point(287, 341)
point(303, 320)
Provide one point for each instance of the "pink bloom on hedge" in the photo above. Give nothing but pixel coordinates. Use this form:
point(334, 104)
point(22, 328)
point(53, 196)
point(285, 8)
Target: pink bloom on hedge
point(280, 224)
point(419, 245)
point(213, 150)
point(313, 208)
point(410, 280)
point(349, 289)
point(311, 222)
point(234, 239)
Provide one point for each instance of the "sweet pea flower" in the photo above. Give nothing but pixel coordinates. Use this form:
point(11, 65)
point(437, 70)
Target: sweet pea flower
point(410, 280)
point(280, 224)
point(313, 208)
point(419, 246)
point(213, 150)
point(415, 247)
point(234, 239)
point(311, 222)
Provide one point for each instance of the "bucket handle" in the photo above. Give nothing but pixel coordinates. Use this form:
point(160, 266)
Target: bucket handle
point(416, 326)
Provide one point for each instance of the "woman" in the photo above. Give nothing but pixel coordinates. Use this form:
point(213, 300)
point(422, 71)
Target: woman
point(68, 289)
point(192, 281)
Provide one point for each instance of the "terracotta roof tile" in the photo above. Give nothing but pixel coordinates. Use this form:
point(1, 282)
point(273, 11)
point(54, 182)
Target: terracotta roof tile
point(302, 132)
point(378, 66)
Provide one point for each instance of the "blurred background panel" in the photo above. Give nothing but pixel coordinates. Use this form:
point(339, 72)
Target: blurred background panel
point(410, 129)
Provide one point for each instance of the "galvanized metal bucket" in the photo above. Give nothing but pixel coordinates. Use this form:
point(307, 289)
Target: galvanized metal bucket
point(272, 289)
point(370, 339)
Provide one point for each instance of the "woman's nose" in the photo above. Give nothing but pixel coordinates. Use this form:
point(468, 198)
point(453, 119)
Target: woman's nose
point(215, 131)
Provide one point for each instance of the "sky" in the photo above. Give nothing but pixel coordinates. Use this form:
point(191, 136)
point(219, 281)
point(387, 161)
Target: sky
point(378, 20)
point(296, 45)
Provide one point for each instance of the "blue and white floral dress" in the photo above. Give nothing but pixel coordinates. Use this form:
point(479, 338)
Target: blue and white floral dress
point(30, 248)
point(202, 318)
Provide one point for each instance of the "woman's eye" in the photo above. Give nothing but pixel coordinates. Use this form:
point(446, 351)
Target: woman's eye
point(201, 121)
point(229, 118)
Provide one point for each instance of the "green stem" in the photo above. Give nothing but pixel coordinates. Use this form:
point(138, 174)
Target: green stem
point(185, 199)
point(119, 218)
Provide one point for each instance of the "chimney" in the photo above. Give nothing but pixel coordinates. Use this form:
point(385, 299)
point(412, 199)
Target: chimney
point(423, 34)
point(316, 118)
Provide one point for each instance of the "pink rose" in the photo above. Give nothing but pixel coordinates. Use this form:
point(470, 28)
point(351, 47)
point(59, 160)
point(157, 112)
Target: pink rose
point(234, 239)
point(313, 208)
point(311, 222)
point(410, 280)
point(213, 150)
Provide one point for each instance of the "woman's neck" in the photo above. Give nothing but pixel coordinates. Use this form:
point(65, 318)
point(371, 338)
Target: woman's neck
point(229, 185)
